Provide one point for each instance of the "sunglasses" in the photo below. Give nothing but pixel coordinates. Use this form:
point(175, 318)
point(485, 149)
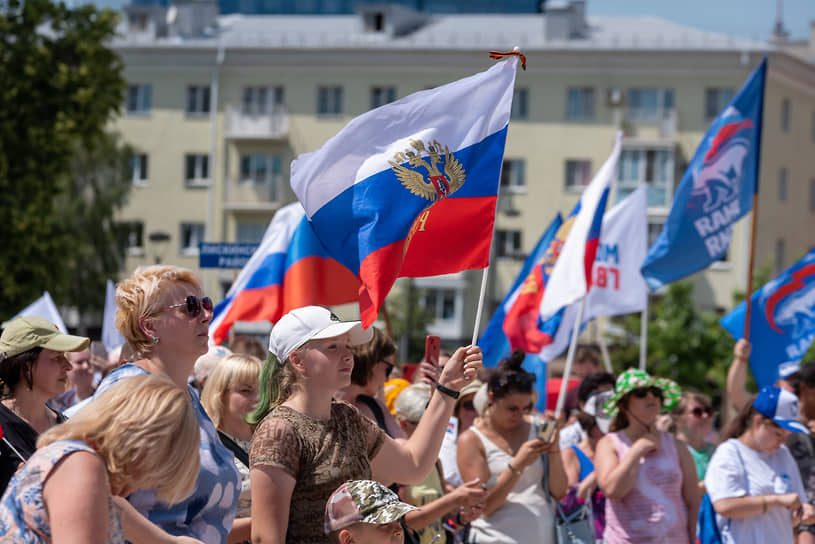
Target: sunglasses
point(699, 412)
point(642, 392)
point(193, 305)
point(388, 368)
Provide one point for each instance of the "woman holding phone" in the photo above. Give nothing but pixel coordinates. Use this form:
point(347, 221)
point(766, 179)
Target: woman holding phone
point(503, 449)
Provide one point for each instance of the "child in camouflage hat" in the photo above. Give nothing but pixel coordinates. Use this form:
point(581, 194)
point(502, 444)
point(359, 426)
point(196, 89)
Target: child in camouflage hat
point(365, 512)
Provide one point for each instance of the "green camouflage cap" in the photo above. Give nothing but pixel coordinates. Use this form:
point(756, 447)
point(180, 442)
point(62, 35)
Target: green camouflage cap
point(634, 379)
point(363, 501)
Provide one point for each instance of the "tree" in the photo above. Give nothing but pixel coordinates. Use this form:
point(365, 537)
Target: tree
point(61, 87)
point(409, 319)
point(685, 343)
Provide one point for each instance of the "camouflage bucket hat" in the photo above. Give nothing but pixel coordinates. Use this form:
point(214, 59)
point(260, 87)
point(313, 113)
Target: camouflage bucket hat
point(634, 379)
point(363, 501)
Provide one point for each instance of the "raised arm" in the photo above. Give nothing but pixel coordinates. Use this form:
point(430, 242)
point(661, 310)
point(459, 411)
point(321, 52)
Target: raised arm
point(410, 461)
point(737, 375)
point(690, 487)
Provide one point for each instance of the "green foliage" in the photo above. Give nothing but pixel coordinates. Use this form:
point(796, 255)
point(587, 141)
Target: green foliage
point(61, 85)
point(409, 316)
point(685, 343)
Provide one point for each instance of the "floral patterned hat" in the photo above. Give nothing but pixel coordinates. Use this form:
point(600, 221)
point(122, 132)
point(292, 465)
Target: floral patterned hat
point(634, 379)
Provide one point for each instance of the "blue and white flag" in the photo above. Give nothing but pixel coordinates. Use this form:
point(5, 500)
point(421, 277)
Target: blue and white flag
point(111, 337)
point(716, 190)
point(782, 321)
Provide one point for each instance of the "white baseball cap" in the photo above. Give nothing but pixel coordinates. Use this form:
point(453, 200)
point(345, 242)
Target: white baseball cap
point(781, 406)
point(309, 323)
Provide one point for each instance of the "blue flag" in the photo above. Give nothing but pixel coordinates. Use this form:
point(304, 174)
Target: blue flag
point(494, 343)
point(716, 190)
point(782, 321)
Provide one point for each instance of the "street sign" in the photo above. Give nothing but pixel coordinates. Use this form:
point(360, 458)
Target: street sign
point(224, 255)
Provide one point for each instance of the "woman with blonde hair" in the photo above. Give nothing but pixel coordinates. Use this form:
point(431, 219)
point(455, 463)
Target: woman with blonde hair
point(306, 444)
point(142, 434)
point(230, 394)
point(164, 318)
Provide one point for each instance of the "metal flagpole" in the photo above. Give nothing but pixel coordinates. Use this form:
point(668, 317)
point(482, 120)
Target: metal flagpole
point(644, 335)
point(561, 399)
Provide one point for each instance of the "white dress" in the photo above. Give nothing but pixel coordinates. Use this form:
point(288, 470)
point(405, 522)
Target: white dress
point(526, 516)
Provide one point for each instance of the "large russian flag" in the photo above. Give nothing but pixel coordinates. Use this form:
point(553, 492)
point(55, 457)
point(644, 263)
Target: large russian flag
point(289, 269)
point(409, 189)
point(571, 274)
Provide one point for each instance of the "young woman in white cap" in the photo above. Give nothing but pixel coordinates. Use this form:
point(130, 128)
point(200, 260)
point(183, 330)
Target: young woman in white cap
point(306, 444)
point(33, 369)
point(752, 479)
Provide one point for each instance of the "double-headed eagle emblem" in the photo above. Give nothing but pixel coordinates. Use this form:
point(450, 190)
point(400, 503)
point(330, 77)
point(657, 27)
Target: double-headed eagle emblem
point(435, 185)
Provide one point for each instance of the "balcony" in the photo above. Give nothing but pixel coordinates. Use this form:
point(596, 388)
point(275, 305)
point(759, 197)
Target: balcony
point(257, 126)
point(650, 126)
point(254, 194)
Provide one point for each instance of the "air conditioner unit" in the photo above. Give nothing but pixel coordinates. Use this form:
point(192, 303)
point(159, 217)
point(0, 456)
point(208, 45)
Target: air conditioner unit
point(614, 96)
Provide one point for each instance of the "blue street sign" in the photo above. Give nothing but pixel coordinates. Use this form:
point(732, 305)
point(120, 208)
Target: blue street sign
point(224, 255)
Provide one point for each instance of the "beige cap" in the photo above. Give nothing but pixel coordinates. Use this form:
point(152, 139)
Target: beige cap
point(25, 333)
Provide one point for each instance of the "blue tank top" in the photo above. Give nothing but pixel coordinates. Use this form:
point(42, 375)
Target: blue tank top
point(586, 466)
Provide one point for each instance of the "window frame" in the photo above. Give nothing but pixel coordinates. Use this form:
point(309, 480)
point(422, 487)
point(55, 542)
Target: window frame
point(190, 251)
point(377, 92)
point(585, 98)
point(143, 99)
point(326, 95)
point(520, 104)
point(510, 175)
point(201, 163)
point(198, 96)
point(140, 170)
point(571, 187)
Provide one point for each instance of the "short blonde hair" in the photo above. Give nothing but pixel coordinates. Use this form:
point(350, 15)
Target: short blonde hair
point(230, 370)
point(145, 430)
point(140, 295)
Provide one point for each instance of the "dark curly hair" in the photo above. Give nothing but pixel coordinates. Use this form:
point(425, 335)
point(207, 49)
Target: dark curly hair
point(16, 368)
point(509, 377)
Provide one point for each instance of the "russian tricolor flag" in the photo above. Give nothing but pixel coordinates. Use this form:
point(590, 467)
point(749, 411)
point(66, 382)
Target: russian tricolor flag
point(571, 274)
point(289, 269)
point(409, 189)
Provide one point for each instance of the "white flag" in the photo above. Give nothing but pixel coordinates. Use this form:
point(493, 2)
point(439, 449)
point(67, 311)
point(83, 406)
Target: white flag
point(110, 336)
point(43, 307)
point(617, 285)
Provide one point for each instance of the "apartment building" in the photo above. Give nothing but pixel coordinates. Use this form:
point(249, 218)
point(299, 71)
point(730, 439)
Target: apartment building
point(218, 106)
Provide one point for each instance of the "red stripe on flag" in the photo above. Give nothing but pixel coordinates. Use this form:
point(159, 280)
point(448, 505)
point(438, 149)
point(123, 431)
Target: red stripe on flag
point(252, 303)
point(318, 280)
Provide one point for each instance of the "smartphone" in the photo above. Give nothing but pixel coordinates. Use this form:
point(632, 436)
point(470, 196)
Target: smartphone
point(432, 348)
point(545, 429)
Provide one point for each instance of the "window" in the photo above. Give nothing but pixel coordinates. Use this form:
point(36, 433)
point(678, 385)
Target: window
point(508, 243)
point(779, 255)
point(262, 169)
point(260, 100)
point(782, 185)
point(655, 225)
point(512, 175)
point(138, 99)
point(652, 166)
point(716, 100)
point(250, 233)
point(785, 115)
point(130, 236)
point(578, 175)
point(374, 21)
point(196, 169)
point(137, 22)
point(520, 103)
point(197, 99)
point(812, 195)
point(649, 104)
point(192, 234)
point(382, 95)
point(329, 100)
point(441, 303)
point(138, 169)
point(580, 103)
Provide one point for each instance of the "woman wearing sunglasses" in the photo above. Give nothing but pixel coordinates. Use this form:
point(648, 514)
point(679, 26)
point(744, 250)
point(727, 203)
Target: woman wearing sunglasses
point(164, 319)
point(373, 363)
point(647, 475)
point(693, 415)
point(502, 450)
point(306, 444)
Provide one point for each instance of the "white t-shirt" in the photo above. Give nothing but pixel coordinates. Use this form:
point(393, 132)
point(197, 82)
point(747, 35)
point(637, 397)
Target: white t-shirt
point(738, 471)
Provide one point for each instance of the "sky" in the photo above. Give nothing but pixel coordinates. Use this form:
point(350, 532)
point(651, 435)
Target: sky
point(752, 19)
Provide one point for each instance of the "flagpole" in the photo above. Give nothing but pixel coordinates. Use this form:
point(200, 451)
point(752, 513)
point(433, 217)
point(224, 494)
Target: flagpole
point(561, 399)
point(601, 339)
point(749, 294)
point(386, 316)
point(644, 335)
point(481, 296)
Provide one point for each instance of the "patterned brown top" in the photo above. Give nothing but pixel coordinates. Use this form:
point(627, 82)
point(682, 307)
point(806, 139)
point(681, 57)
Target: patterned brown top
point(320, 455)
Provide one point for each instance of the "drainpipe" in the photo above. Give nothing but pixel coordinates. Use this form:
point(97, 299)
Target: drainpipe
point(209, 226)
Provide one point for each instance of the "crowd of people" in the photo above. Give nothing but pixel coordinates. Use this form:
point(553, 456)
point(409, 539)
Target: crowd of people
point(322, 438)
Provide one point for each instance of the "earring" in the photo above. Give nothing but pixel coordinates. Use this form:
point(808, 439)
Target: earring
point(155, 339)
